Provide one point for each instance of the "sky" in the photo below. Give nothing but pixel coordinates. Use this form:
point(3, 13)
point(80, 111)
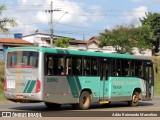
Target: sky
point(79, 19)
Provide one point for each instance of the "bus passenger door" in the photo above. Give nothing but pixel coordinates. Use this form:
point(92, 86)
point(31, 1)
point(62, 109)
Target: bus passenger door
point(149, 77)
point(104, 84)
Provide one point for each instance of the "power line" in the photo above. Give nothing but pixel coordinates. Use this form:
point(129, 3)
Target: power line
point(102, 12)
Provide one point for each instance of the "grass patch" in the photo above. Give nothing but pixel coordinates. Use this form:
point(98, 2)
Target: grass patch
point(1, 92)
point(1, 81)
point(156, 61)
point(157, 84)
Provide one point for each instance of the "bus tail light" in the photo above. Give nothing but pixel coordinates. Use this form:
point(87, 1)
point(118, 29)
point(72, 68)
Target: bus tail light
point(38, 86)
point(5, 85)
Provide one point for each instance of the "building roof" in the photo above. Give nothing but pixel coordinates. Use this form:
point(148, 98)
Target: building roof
point(77, 41)
point(93, 39)
point(14, 42)
point(44, 34)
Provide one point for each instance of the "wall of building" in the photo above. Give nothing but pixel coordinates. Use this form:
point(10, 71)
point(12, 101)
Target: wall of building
point(3, 50)
point(1, 53)
point(37, 39)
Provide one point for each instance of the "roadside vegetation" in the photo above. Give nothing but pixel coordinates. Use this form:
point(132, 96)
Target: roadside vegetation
point(156, 60)
point(1, 81)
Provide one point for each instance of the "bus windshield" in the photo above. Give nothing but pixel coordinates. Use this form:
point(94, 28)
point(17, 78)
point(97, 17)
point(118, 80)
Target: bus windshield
point(22, 59)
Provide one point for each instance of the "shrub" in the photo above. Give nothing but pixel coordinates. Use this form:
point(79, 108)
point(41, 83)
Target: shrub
point(1, 72)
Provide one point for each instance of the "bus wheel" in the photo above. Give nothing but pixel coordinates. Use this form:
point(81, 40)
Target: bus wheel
point(52, 106)
point(135, 99)
point(106, 104)
point(84, 100)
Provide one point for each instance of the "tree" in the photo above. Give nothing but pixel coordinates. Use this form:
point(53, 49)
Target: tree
point(5, 21)
point(62, 42)
point(119, 38)
point(124, 38)
point(143, 37)
point(152, 21)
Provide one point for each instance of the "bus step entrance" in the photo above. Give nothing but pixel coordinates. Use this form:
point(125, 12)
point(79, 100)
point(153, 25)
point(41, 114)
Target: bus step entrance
point(103, 101)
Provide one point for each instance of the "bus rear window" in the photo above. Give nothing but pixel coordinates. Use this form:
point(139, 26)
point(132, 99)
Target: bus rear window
point(25, 59)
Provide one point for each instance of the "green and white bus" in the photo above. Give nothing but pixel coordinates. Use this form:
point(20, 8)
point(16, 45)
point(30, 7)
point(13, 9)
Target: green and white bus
point(61, 76)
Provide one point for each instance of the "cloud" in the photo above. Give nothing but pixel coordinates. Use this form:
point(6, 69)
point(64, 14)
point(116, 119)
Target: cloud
point(33, 15)
point(96, 14)
point(139, 12)
point(135, 14)
point(137, 0)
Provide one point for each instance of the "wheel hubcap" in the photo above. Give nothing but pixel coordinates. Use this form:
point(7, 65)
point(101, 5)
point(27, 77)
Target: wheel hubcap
point(135, 98)
point(85, 101)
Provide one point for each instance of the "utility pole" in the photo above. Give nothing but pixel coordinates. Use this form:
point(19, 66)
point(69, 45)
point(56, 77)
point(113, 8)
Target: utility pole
point(51, 22)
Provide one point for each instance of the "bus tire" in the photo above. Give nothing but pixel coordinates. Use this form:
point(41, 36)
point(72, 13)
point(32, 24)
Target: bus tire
point(52, 106)
point(106, 104)
point(84, 100)
point(135, 99)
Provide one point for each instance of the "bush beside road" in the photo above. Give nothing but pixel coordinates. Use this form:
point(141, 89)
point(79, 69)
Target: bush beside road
point(1, 81)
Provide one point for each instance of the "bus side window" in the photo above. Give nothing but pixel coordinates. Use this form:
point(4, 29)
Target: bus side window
point(94, 67)
point(50, 65)
point(76, 66)
point(69, 66)
point(60, 70)
point(117, 69)
point(60, 66)
point(87, 66)
point(139, 69)
point(133, 68)
point(126, 67)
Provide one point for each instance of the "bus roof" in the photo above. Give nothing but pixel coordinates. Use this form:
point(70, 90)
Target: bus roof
point(80, 52)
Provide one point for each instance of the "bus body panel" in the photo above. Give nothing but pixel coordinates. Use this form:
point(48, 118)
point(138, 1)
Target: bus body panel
point(122, 88)
point(21, 79)
point(67, 89)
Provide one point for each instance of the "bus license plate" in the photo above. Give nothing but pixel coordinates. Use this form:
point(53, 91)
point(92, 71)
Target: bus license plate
point(19, 96)
point(10, 84)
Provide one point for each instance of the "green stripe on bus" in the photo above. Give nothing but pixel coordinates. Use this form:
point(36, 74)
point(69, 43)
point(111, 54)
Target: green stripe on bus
point(60, 51)
point(78, 83)
point(73, 86)
point(26, 86)
point(67, 52)
point(31, 86)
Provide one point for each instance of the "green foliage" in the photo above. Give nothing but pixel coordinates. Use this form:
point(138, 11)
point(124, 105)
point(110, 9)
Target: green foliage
point(62, 42)
point(156, 61)
point(153, 21)
point(1, 72)
point(124, 38)
point(1, 80)
point(143, 36)
point(5, 21)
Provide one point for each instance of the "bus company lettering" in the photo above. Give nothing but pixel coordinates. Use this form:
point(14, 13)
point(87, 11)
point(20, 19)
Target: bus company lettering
point(125, 82)
point(30, 78)
point(21, 78)
point(117, 87)
point(20, 84)
point(52, 79)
